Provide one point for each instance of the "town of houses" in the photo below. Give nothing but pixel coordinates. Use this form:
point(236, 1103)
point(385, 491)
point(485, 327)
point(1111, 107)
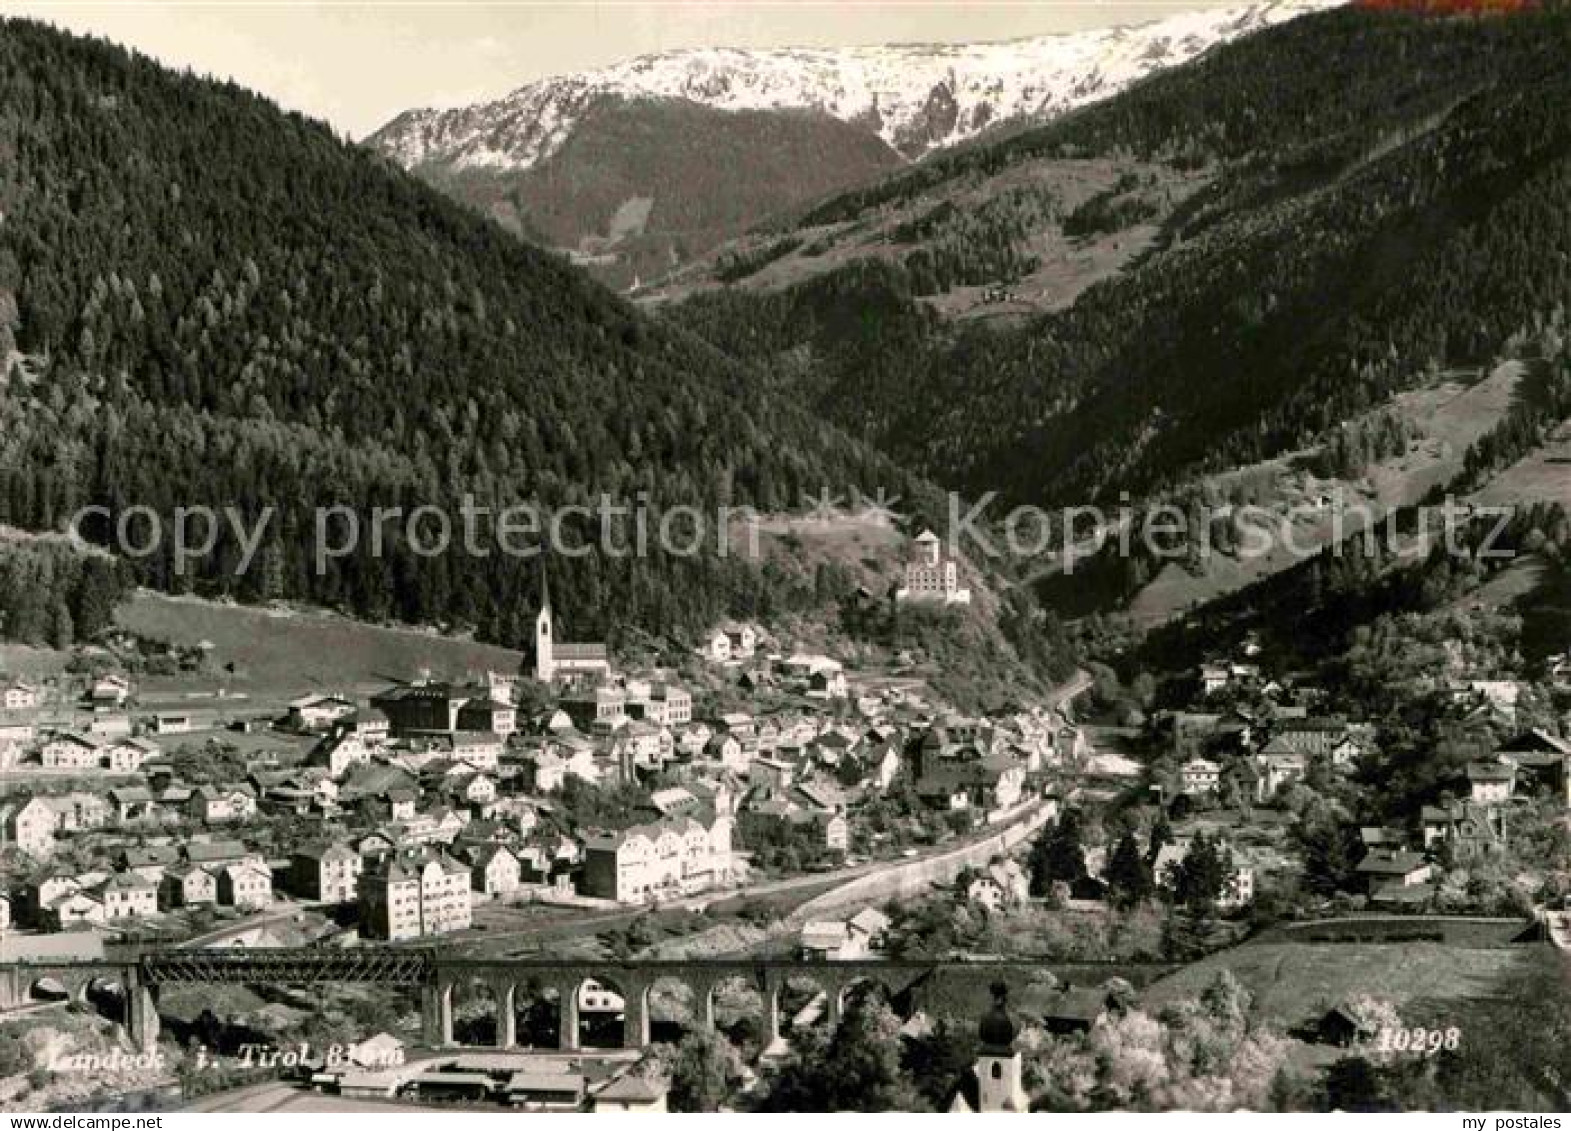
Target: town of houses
point(415, 804)
point(1248, 740)
point(437, 808)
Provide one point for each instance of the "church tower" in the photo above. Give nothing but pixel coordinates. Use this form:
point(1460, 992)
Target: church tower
point(998, 1066)
point(545, 664)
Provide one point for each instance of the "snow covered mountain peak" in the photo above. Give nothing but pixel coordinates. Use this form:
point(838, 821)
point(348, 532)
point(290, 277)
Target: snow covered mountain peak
point(917, 97)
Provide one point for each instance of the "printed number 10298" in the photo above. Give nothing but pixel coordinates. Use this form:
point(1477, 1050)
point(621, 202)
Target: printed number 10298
point(1419, 1040)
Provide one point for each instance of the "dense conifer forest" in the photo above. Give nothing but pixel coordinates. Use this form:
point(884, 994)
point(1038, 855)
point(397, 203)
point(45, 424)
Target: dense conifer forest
point(204, 300)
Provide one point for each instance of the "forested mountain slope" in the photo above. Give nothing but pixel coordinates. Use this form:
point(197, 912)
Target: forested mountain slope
point(1384, 195)
point(641, 185)
point(206, 301)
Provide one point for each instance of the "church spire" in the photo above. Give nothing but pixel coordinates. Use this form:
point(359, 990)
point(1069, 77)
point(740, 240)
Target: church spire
point(545, 647)
point(996, 1033)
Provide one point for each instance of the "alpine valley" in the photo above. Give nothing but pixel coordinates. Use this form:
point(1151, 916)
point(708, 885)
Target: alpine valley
point(588, 626)
point(1330, 256)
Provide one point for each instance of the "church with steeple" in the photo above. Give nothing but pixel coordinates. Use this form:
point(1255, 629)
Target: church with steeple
point(994, 1082)
point(564, 661)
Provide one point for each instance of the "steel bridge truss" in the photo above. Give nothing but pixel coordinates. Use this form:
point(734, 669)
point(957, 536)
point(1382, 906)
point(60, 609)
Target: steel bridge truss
point(383, 966)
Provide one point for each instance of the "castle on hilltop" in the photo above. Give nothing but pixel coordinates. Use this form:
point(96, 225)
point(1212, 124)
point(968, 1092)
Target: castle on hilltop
point(930, 576)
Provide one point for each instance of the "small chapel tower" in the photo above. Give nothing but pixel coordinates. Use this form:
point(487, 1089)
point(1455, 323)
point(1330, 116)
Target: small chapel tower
point(994, 1082)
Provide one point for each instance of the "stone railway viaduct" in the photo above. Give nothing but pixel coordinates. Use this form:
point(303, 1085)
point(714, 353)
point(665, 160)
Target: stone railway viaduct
point(437, 976)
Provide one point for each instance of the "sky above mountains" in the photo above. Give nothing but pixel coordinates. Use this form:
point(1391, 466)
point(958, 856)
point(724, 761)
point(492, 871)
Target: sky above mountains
point(357, 65)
